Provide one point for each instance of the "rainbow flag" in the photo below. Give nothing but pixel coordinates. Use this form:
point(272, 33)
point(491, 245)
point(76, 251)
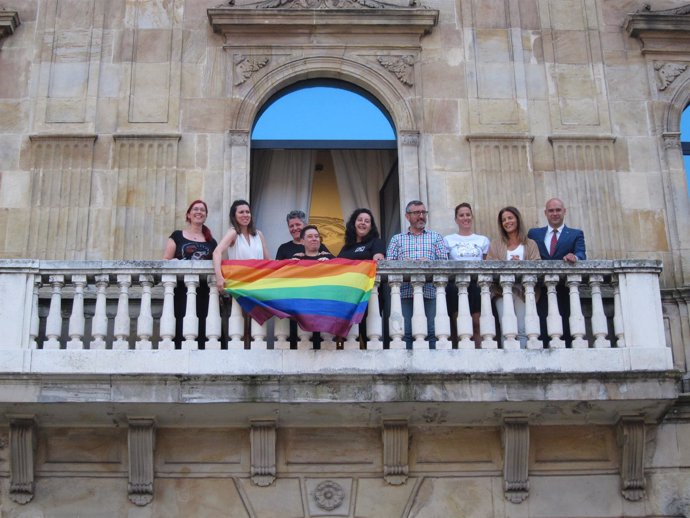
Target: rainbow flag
point(327, 296)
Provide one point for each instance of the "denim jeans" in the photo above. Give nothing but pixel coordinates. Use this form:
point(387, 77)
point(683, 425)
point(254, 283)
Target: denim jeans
point(429, 311)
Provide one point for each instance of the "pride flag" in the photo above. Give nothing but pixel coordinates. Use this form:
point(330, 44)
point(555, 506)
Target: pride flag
point(327, 296)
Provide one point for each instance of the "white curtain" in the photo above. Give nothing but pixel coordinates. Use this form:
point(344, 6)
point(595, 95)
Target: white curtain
point(360, 174)
point(281, 182)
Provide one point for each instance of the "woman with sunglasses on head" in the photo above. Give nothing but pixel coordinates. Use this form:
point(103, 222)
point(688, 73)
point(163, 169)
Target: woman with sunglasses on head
point(194, 242)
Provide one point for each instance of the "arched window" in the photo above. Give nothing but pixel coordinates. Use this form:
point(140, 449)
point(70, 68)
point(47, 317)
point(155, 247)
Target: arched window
point(685, 142)
point(325, 147)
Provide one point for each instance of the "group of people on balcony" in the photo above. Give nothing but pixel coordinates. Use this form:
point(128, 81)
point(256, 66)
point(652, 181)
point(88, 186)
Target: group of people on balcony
point(555, 241)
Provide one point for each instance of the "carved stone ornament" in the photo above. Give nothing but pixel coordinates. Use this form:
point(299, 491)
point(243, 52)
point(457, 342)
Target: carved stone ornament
point(671, 140)
point(632, 442)
point(329, 495)
point(9, 21)
point(516, 459)
point(676, 11)
point(22, 447)
point(263, 452)
point(409, 138)
point(401, 67)
point(666, 73)
point(239, 137)
point(321, 4)
point(395, 452)
point(245, 66)
point(141, 443)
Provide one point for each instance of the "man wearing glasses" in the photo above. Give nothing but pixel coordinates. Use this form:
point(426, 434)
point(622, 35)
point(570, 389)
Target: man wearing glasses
point(418, 244)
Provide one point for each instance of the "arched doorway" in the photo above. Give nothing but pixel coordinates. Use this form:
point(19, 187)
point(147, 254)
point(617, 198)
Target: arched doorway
point(327, 147)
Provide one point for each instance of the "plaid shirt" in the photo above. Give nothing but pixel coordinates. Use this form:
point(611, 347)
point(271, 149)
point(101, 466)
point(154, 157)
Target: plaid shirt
point(408, 246)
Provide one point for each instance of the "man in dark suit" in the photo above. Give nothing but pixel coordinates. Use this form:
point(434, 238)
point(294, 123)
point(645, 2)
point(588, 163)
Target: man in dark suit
point(557, 242)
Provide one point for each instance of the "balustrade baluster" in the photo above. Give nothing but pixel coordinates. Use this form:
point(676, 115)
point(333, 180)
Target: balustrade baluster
point(145, 319)
point(236, 327)
point(213, 320)
point(77, 322)
point(33, 329)
point(419, 325)
point(599, 324)
point(352, 338)
point(122, 320)
point(304, 342)
point(374, 320)
point(99, 323)
point(396, 321)
point(167, 323)
point(54, 320)
point(190, 322)
point(577, 319)
point(464, 319)
point(618, 328)
point(554, 324)
point(442, 320)
point(281, 330)
point(259, 333)
point(531, 317)
point(487, 324)
point(506, 310)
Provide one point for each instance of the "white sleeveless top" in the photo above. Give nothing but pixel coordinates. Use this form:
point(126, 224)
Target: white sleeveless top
point(243, 249)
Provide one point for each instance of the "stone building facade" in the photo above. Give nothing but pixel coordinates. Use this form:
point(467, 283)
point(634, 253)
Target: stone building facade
point(114, 114)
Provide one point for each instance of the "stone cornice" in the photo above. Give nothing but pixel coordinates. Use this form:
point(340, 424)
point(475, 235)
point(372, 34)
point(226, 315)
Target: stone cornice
point(666, 31)
point(326, 16)
point(499, 136)
point(9, 21)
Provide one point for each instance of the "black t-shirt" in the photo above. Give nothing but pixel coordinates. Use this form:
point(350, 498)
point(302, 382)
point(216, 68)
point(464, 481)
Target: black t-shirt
point(289, 249)
point(188, 249)
point(316, 257)
point(363, 251)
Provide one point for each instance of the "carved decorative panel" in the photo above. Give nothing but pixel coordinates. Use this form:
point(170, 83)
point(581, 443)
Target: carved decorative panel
point(145, 208)
point(504, 160)
point(395, 452)
point(632, 440)
point(61, 178)
point(141, 443)
point(516, 459)
point(585, 177)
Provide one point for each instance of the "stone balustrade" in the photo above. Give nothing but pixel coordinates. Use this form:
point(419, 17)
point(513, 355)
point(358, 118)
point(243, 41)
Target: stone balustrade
point(129, 305)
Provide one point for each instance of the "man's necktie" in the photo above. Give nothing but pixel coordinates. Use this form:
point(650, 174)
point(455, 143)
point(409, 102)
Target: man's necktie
point(554, 240)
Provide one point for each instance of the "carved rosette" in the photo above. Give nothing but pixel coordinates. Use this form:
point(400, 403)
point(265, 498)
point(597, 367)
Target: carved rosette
point(395, 452)
point(666, 73)
point(632, 441)
point(263, 452)
point(329, 495)
point(141, 443)
point(246, 66)
point(402, 67)
point(516, 459)
point(22, 447)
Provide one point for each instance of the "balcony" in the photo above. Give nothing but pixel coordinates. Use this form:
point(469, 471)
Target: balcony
point(103, 333)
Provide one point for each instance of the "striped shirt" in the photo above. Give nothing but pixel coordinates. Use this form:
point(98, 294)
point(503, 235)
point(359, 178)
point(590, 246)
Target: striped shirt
point(407, 246)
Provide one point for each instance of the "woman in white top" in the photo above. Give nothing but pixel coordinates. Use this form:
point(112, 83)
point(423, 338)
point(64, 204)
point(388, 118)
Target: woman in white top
point(466, 246)
point(242, 241)
point(514, 245)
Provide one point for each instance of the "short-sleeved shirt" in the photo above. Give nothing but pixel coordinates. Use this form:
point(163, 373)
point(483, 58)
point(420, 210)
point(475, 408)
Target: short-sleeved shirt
point(428, 245)
point(192, 250)
point(363, 251)
point(289, 249)
point(467, 248)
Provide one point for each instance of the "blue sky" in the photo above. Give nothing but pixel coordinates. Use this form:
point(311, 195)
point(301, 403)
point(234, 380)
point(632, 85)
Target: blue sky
point(310, 113)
